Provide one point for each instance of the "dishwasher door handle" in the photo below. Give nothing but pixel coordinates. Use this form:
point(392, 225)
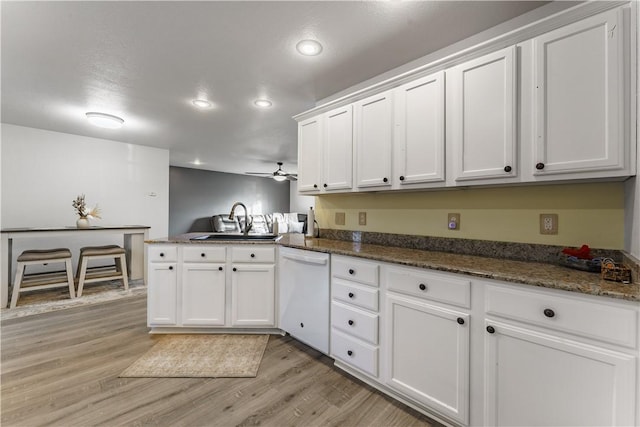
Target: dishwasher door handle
point(307, 259)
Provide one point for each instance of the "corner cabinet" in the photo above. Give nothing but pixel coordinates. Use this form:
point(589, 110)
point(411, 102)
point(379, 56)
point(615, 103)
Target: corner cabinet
point(481, 95)
point(579, 99)
point(253, 286)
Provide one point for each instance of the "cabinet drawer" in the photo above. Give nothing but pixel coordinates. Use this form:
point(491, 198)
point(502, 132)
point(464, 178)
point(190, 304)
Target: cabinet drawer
point(357, 354)
point(351, 293)
point(253, 253)
point(202, 253)
point(355, 322)
point(356, 270)
point(162, 253)
point(599, 321)
point(428, 285)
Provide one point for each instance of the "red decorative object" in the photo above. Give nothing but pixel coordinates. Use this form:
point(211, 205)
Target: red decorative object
point(582, 253)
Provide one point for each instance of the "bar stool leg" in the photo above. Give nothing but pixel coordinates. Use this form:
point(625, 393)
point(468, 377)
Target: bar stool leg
point(123, 270)
point(82, 267)
point(16, 285)
point(72, 290)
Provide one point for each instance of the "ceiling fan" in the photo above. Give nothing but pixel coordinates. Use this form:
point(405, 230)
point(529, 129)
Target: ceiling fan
point(278, 175)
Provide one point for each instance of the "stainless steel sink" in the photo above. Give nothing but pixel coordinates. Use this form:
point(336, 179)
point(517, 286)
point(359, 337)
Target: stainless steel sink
point(229, 236)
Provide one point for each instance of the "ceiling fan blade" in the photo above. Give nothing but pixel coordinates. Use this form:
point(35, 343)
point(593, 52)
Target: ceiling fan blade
point(292, 177)
point(259, 173)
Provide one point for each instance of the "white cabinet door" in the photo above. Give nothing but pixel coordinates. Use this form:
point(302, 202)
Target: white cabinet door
point(338, 149)
point(203, 294)
point(309, 154)
point(579, 97)
point(253, 295)
point(162, 299)
point(427, 351)
point(373, 135)
point(534, 379)
point(482, 93)
point(419, 138)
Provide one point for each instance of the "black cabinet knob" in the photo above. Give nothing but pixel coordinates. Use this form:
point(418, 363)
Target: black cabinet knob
point(350, 322)
point(422, 287)
point(351, 271)
point(401, 178)
point(539, 166)
point(302, 325)
point(162, 254)
point(203, 255)
point(171, 267)
point(235, 269)
point(548, 312)
point(460, 321)
point(219, 268)
point(507, 168)
point(385, 180)
point(491, 329)
point(315, 185)
point(350, 353)
point(351, 295)
point(325, 185)
point(253, 255)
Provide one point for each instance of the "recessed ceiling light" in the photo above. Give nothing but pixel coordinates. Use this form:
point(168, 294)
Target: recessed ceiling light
point(262, 103)
point(201, 103)
point(309, 47)
point(105, 120)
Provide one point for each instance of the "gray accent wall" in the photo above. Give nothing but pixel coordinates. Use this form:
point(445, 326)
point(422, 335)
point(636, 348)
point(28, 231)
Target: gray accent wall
point(195, 195)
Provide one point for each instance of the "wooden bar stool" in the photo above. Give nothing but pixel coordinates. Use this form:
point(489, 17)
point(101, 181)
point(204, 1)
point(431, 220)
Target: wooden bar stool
point(31, 282)
point(100, 274)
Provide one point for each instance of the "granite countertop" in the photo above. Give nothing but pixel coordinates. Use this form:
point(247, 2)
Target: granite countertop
point(522, 272)
point(186, 239)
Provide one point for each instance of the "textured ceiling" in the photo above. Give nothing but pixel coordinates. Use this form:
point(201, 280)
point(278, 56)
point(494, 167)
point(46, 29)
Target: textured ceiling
point(146, 61)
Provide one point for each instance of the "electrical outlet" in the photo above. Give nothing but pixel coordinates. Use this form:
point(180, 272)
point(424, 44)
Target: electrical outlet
point(339, 219)
point(453, 221)
point(362, 218)
point(548, 223)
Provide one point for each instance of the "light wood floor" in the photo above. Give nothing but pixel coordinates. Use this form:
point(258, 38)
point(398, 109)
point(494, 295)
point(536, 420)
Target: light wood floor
point(61, 369)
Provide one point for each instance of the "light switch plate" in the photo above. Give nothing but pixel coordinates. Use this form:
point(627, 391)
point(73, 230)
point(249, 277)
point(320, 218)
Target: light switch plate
point(362, 218)
point(339, 218)
point(548, 223)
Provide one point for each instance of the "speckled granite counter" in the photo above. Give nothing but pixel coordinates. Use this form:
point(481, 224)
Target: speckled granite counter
point(526, 273)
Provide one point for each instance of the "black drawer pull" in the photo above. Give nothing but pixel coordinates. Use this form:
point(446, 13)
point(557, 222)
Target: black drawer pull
point(219, 268)
point(253, 255)
point(161, 254)
point(325, 185)
point(423, 287)
point(460, 321)
point(350, 353)
point(549, 313)
point(171, 267)
point(507, 169)
point(351, 271)
point(385, 180)
point(203, 255)
point(539, 166)
point(350, 322)
point(302, 325)
point(491, 329)
point(315, 185)
point(351, 295)
point(401, 178)
point(235, 269)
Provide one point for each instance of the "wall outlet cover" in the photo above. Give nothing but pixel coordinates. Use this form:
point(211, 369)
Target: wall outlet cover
point(339, 218)
point(548, 223)
point(453, 221)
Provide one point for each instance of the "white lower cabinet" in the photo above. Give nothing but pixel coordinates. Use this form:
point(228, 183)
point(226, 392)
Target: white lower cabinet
point(162, 294)
point(427, 355)
point(253, 295)
point(538, 379)
point(203, 294)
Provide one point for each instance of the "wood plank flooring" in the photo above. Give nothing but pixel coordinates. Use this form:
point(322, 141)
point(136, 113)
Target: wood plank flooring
point(61, 369)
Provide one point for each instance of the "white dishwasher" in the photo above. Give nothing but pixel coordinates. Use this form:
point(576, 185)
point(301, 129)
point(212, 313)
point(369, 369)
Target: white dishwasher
point(305, 296)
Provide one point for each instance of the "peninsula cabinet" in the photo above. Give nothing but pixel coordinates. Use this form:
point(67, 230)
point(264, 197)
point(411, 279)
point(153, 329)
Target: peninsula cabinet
point(419, 144)
point(162, 273)
point(253, 286)
point(203, 286)
point(579, 99)
point(553, 360)
point(373, 134)
point(481, 127)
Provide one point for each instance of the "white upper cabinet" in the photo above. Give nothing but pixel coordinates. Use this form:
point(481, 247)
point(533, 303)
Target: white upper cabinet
point(373, 118)
point(419, 132)
point(482, 122)
point(309, 154)
point(578, 99)
point(338, 149)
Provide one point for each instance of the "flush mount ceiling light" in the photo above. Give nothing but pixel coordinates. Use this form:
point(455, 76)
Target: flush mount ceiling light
point(309, 47)
point(201, 103)
point(262, 103)
point(105, 120)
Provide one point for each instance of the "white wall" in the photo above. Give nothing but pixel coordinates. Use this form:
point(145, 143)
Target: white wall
point(297, 202)
point(42, 172)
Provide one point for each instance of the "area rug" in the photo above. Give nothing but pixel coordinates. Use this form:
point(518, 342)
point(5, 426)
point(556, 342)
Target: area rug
point(197, 356)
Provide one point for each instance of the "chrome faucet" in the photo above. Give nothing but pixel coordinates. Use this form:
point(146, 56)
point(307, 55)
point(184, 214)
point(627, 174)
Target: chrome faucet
point(247, 223)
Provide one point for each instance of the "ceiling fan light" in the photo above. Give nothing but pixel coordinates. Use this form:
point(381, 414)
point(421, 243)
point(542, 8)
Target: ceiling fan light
point(279, 178)
point(104, 120)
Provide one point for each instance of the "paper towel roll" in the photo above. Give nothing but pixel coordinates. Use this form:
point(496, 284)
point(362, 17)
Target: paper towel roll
point(310, 223)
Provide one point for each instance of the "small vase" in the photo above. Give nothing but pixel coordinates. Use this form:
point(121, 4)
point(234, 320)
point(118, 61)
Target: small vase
point(82, 223)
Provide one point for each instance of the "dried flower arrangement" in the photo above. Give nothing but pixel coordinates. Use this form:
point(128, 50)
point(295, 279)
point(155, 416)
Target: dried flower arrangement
point(80, 206)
